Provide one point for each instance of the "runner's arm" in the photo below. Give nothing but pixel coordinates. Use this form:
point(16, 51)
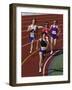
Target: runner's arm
point(47, 42)
point(38, 43)
point(29, 28)
point(39, 27)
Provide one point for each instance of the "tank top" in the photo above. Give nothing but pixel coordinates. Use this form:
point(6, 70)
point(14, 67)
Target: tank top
point(45, 30)
point(54, 30)
point(43, 43)
point(32, 32)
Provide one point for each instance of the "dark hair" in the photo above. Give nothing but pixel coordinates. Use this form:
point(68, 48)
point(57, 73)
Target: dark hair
point(46, 24)
point(55, 21)
point(34, 19)
point(44, 33)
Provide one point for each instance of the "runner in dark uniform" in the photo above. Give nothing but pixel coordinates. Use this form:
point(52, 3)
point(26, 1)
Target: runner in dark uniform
point(43, 41)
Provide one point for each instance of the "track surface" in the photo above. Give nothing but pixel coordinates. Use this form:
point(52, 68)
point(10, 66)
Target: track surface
point(30, 62)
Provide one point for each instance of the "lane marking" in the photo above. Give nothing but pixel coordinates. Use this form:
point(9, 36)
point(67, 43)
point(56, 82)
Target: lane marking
point(25, 45)
point(29, 56)
point(28, 43)
point(33, 42)
point(48, 60)
point(25, 36)
point(25, 31)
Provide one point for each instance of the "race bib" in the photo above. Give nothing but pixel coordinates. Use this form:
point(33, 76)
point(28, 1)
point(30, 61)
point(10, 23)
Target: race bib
point(53, 32)
point(31, 34)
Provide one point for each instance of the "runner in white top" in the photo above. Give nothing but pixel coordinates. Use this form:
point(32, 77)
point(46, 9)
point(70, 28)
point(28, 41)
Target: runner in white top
point(33, 28)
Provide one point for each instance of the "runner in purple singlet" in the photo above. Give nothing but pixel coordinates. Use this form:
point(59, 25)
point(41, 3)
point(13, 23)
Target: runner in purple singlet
point(54, 31)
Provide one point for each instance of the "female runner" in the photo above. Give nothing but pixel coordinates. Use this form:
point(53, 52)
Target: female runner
point(32, 28)
point(43, 41)
point(54, 32)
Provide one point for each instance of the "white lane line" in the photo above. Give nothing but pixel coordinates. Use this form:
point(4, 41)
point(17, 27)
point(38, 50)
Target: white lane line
point(48, 60)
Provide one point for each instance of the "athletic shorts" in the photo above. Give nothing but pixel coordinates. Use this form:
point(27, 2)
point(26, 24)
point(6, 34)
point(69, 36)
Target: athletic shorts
point(43, 51)
point(31, 39)
point(53, 36)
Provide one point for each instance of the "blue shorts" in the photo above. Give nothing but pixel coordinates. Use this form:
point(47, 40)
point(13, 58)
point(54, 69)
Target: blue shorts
point(53, 36)
point(43, 51)
point(31, 39)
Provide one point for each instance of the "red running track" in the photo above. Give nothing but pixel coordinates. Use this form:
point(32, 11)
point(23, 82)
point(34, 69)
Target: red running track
point(30, 62)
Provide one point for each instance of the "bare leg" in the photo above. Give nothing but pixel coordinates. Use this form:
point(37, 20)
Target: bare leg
point(51, 45)
point(31, 48)
point(54, 42)
point(37, 45)
point(47, 42)
point(40, 61)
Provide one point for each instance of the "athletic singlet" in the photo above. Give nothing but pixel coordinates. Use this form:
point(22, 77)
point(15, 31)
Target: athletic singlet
point(33, 29)
point(43, 43)
point(54, 30)
point(45, 30)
